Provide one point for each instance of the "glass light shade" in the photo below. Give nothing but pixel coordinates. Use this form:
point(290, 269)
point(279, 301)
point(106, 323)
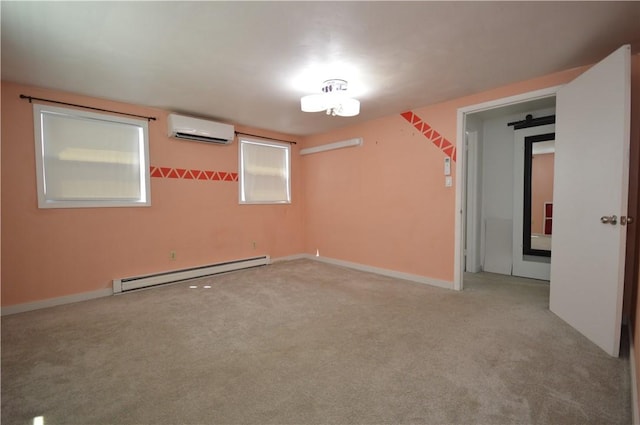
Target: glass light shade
point(348, 107)
point(314, 103)
point(339, 105)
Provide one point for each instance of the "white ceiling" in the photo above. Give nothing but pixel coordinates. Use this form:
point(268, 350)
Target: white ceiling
point(250, 62)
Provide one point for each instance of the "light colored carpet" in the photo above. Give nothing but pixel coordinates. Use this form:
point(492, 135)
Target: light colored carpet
point(303, 342)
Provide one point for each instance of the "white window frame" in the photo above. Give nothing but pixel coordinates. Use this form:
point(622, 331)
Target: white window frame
point(241, 180)
point(44, 201)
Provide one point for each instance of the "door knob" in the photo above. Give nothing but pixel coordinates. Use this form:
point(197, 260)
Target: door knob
point(611, 219)
point(626, 220)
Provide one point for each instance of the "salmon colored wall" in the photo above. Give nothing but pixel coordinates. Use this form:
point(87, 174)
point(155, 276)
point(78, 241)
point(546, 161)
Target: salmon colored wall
point(541, 188)
point(385, 204)
point(48, 253)
point(376, 204)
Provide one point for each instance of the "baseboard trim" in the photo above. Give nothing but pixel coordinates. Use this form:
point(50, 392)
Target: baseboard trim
point(384, 272)
point(53, 302)
point(290, 258)
point(85, 296)
point(634, 380)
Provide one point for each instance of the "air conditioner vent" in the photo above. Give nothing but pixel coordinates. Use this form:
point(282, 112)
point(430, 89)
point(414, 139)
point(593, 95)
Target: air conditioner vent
point(199, 130)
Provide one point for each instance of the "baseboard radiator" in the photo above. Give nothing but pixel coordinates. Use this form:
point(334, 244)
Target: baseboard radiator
point(138, 282)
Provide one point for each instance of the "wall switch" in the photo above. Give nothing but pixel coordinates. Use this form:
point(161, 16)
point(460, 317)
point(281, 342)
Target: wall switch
point(448, 181)
point(447, 166)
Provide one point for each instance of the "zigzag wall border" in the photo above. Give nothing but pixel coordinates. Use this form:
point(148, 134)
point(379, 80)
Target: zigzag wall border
point(190, 174)
point(431, 134)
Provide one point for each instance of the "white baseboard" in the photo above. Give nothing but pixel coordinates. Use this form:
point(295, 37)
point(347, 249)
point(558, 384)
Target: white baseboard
point(634, 380)
point(383, 272)
point(290, 258)
point(52, 302)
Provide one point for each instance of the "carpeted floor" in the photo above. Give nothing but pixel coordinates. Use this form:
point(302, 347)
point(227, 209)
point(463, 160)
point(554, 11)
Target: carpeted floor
point(303, 342)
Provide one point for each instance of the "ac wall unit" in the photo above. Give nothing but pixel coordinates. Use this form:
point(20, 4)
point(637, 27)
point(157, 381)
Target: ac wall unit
point(199, 130)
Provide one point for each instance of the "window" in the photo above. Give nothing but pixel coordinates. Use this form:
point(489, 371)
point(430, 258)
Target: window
point(84, 159)
point(264, 172)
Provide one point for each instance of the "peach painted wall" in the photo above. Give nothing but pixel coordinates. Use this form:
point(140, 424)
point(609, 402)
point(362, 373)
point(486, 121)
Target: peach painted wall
point(48, 253)
point(385, 204)
point(541, 188)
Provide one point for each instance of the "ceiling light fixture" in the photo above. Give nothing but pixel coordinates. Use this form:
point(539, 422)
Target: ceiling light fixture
point(333, 100)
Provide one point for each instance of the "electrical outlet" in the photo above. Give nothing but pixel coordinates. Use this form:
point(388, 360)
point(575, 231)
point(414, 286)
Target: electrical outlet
point(172, 255)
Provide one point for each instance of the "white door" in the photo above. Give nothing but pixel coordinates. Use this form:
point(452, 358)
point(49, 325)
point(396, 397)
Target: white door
point(591, 181)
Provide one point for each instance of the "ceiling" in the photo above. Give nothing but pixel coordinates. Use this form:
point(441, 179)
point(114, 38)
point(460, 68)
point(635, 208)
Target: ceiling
point(250, 62)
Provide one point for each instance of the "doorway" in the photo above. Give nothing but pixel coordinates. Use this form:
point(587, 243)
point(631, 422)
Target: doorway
point(493, 179)
point(589, 235)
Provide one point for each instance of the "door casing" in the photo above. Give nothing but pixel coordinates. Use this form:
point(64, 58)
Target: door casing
point(460, 219)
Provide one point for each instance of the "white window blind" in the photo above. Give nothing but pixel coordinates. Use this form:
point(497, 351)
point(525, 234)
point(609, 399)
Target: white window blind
point(264, 172)
point(84, 159)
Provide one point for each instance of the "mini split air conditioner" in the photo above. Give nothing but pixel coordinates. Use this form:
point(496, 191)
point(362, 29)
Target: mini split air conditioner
point(199, 130)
